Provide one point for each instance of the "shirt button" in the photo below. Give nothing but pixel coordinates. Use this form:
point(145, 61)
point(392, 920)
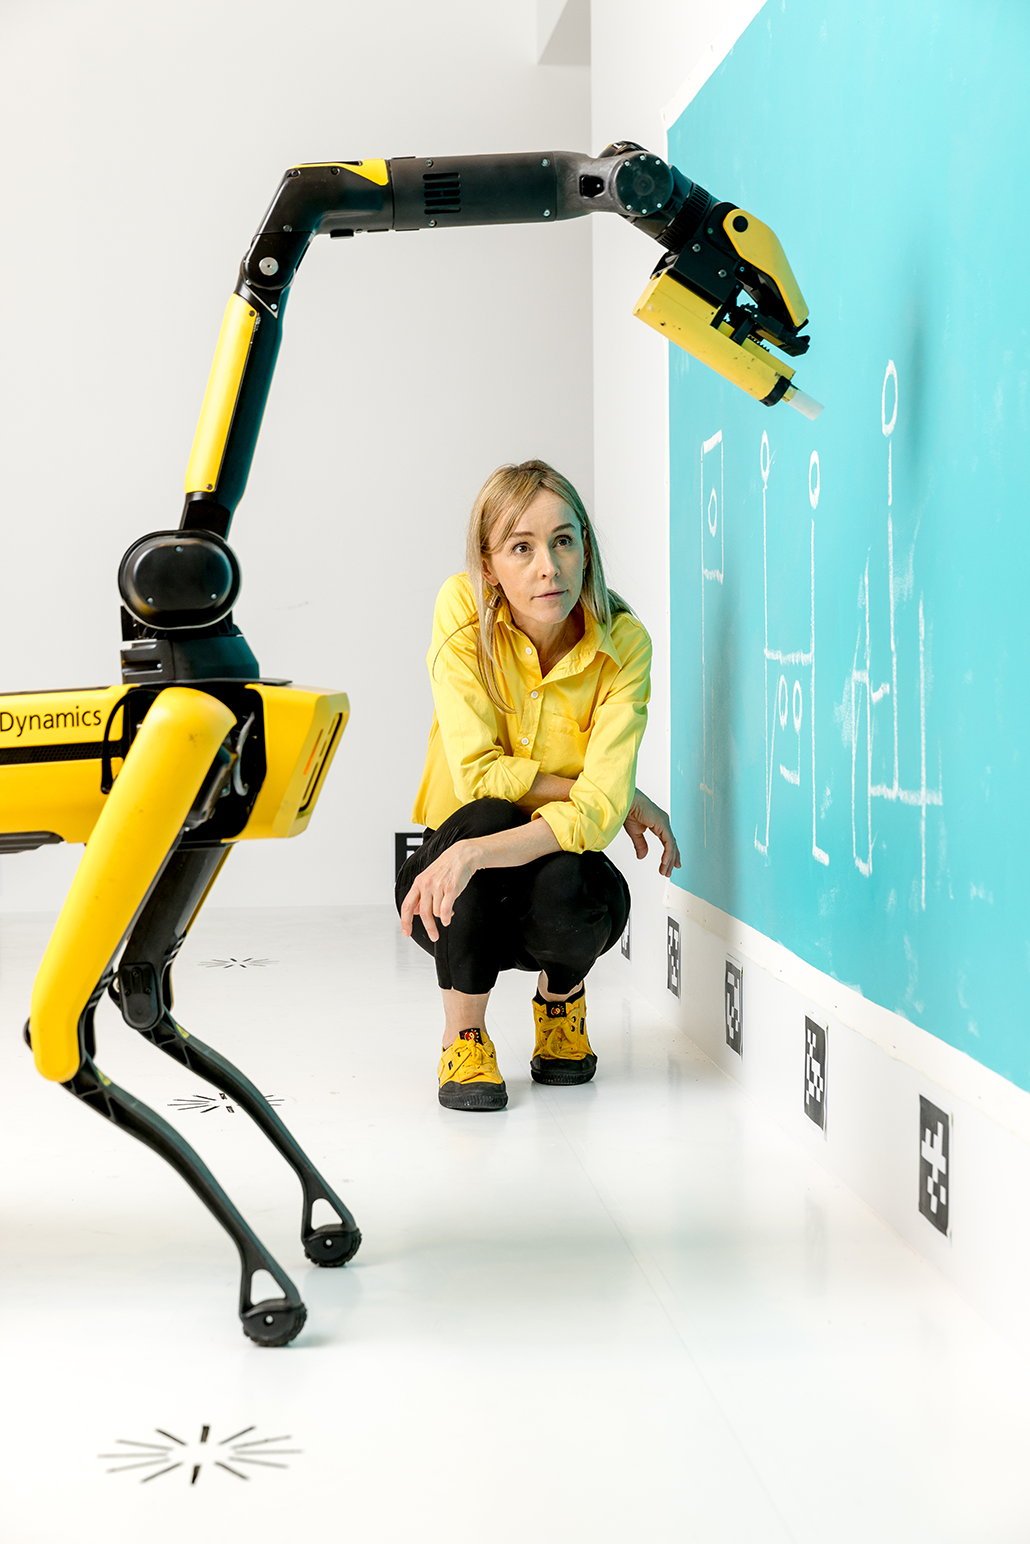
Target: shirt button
point(529, 650)
point(525, 742)
point(534, 694)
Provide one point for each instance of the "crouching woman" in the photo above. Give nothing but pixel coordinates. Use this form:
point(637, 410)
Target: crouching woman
point(540, 677)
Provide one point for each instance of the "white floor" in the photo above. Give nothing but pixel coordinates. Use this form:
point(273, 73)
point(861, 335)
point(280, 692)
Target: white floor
point(635, 1310)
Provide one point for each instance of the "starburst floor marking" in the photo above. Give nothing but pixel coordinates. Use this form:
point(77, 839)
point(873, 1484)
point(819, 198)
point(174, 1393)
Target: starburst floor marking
point(248, 963)
point(205, 1103)
point(145, 1455)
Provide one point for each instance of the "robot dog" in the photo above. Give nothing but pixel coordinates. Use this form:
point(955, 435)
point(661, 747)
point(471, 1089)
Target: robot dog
point(194, 750)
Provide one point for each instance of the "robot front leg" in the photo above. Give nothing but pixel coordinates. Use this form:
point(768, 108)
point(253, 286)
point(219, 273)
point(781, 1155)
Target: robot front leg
point(270, 1322)
point(144, 994)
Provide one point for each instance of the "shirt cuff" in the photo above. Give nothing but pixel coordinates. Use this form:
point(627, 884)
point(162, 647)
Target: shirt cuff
point(567, 823)
point(509, 777)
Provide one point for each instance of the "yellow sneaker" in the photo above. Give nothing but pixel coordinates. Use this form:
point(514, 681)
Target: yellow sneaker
point(562, 1052)
point(469, 1079)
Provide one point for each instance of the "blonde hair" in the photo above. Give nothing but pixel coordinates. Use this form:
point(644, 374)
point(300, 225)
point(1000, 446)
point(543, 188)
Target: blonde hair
point(499, 505)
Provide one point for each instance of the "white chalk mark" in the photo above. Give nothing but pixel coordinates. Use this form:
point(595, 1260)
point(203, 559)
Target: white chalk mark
point(765, 462)
point(891, 374)
point(922, 748)
point(918, 798)
point(788, 699)
point(860, 680)
point(893, 601)
point(712, 518)
point(818, 852)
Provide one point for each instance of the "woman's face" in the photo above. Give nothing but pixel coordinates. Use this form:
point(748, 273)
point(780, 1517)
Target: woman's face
point(540, 565)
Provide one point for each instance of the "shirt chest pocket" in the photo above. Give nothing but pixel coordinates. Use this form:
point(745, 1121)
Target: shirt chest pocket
point(565, 748)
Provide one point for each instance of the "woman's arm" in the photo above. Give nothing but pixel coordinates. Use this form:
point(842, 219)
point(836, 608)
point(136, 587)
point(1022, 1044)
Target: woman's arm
point(546, 789)
point(437, 888)
point(644, 815)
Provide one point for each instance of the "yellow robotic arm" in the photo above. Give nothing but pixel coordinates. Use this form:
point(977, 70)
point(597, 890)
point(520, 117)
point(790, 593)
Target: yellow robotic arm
point(723, 272)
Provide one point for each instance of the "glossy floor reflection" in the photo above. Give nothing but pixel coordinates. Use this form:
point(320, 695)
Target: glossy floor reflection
point(635, 1310)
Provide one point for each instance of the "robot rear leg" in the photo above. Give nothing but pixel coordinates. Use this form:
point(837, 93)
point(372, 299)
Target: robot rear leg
point(144, 995)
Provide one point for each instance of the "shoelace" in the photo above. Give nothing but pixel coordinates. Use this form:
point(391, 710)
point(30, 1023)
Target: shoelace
point(475, 1064)
point(561, 1044)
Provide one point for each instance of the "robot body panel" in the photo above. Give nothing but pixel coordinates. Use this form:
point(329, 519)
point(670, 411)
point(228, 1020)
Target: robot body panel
point(51, 748)
point(303, 726)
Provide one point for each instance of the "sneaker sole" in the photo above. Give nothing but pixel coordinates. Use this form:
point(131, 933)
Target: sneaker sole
point(462, 1096)
point(562, 1073)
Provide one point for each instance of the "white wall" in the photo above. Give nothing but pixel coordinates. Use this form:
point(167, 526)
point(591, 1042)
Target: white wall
point(637, 66)
point(140, 147)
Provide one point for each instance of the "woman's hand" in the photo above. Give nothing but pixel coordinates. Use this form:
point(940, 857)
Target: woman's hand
point(437, 888)
point(644, 815)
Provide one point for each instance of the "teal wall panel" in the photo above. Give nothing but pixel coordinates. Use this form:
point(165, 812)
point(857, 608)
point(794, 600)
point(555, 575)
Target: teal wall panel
point(850, 617)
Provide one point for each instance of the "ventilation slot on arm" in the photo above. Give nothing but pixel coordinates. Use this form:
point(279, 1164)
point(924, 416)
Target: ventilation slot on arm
point(441, 192)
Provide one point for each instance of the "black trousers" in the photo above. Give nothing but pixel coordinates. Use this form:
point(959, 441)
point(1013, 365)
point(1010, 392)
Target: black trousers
point(557, 914)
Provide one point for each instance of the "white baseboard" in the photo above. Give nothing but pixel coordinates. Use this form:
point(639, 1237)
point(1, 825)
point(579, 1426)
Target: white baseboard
point(877, 1067)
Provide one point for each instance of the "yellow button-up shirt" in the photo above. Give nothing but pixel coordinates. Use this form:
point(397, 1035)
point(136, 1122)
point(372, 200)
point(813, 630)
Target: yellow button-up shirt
point(584, 720)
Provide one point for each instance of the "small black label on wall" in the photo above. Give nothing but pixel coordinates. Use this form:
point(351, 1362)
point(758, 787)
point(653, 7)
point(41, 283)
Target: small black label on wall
point(815, 1073)
point(934, 1163)
point(733, 997)
point(674, 962)
point(404, 844)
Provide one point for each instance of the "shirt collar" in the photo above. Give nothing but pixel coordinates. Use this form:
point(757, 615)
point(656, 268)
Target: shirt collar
point(596, 639)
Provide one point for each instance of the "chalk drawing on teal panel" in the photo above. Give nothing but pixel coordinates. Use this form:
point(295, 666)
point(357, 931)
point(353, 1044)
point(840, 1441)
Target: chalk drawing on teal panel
point(850, 610)
point(789, 718)
point(875, 692)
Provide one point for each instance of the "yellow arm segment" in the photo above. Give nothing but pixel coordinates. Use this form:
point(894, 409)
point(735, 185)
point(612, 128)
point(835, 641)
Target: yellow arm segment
point(223, 389)
point(372, 171)
point(670, 307)
point(141, 820)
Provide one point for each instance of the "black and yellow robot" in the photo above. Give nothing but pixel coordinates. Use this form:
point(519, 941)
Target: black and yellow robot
point(194, 751)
